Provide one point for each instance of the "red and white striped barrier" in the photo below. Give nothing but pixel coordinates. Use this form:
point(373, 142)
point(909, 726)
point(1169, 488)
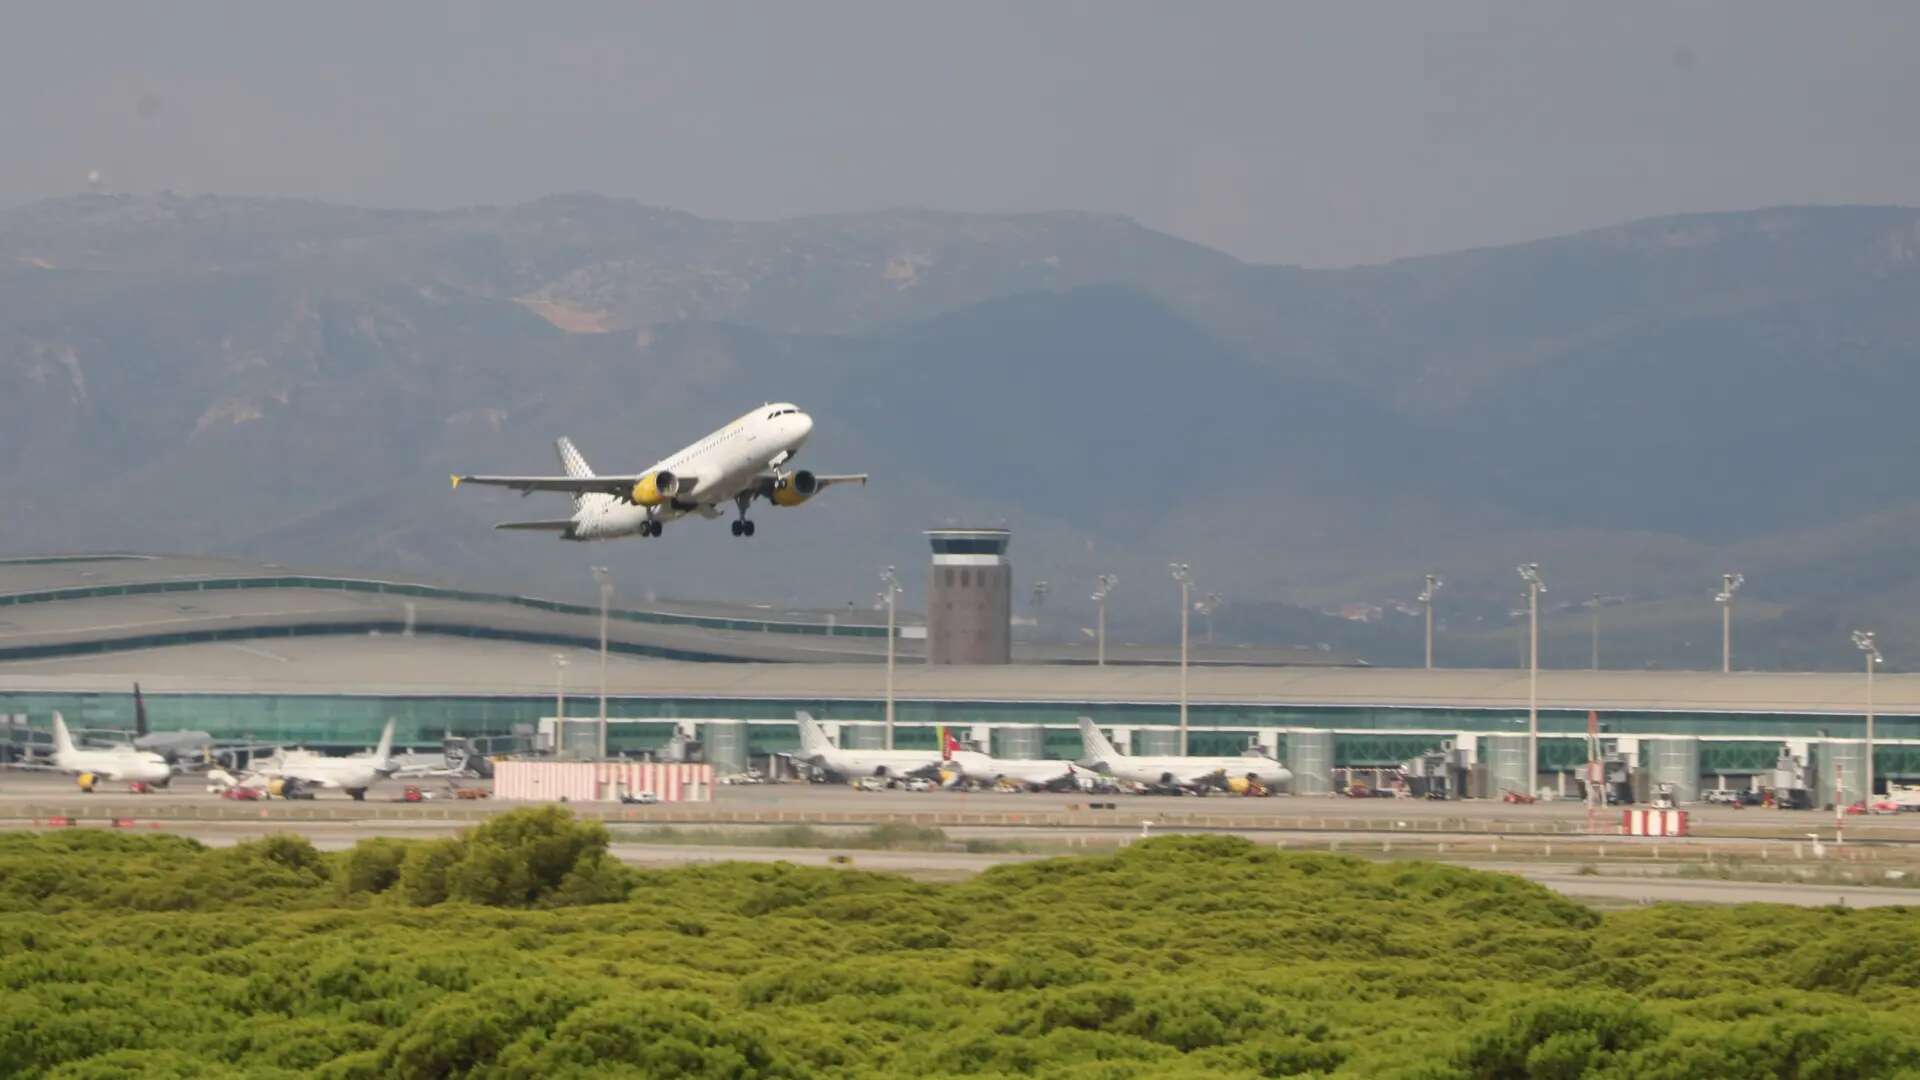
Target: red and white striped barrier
point(600, 781)
point(1654, 823)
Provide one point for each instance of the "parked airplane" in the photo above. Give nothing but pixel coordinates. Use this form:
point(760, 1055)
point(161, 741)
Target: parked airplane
point(737, 464)
point(1033, 774)
point(818, 751)
point(113, 763)
point(1187, 773)
point(171, 745)
point(353, 774)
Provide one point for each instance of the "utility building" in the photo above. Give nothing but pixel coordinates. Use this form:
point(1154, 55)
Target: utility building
point(969, 597)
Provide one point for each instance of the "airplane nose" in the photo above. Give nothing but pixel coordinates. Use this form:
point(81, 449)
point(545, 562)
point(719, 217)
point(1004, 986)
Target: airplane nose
point(803, 424)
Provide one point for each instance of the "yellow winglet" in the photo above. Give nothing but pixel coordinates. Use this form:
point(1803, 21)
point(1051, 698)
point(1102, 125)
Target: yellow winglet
point(455, 479)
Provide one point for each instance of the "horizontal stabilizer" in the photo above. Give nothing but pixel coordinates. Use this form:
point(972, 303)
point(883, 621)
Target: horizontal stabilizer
point(560, 525)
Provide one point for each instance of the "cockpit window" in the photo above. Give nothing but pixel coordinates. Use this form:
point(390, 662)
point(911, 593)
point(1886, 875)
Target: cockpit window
point(781, 412)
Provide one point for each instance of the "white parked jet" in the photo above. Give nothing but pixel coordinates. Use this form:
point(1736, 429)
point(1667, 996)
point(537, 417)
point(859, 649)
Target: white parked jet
point(737, 464)
point(1035, 775)
point(353, 774)
point(1188, 773)
point(115, 763)
point(818, 751)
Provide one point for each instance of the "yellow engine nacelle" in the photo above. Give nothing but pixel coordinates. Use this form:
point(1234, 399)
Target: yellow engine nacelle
point(654, 489)
point(86, 780)
point(794, 488)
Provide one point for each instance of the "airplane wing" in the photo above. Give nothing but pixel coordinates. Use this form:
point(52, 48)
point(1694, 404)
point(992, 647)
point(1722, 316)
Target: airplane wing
point(794, 488)
point(557, 525)
point(572, 485)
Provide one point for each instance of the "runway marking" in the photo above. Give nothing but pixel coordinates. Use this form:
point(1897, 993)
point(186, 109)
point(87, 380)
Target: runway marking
point(249, 649)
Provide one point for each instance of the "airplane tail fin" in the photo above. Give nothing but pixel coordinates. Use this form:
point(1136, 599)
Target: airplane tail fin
point(62, 739)
point(813, 739)
point(572, 461)
point(139, 713)
point(383, 754)
point(1094, 743)
point(949, 745)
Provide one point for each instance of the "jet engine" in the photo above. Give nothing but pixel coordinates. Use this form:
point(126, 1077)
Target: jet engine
point(654, 489)
point(794, 488)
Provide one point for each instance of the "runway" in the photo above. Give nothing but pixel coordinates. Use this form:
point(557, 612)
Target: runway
point(1545, 842)
point(30, 795)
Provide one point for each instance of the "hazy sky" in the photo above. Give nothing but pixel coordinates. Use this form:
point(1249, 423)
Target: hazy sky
point(1287, 132)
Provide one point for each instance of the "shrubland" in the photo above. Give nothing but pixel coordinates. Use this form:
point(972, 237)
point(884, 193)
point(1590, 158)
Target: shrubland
point(522, 949)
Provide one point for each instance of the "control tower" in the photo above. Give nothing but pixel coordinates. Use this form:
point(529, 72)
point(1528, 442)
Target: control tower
point(969, 597)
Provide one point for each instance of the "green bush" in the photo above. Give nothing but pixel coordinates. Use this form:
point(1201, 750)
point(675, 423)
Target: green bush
point(372, 866)
point(521, 949)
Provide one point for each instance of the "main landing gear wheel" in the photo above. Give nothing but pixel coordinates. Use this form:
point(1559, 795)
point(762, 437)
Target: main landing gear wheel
point(743, 528)
point(650, 528)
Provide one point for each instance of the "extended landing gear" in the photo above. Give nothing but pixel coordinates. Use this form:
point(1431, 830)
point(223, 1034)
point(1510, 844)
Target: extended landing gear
point(651, 527)
point(743, 527)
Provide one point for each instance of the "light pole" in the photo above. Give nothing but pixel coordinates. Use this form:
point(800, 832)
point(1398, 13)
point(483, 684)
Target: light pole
point(1183, 574)
point(559, 704)
point(1206, 606)
point(889, 594)
point(1530, 573)
point(601, 575)
point(1595, 604)
point(1102, 589)
point(1426, 598)
point(1729, 584)
point(1863, 640)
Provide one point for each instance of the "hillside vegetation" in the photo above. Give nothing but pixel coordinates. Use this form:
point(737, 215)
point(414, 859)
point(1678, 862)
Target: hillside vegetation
point(520, 950)
point(1637, 408)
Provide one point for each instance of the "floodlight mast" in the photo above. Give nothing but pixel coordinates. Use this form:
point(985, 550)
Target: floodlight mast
point(1103, 588)
point(1863, 640)
point(1730, 583)
point(559, 704)
point(1530, 573)
point(888, 595)
point(605, 579)
point(1183, 573)
point(1426, 598)
point(1206, 606)
point(1595, 604)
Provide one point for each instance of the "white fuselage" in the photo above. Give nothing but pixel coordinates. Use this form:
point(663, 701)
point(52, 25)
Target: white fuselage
point(986, 769)
point(1189, 772)
point(1183, 772)
point(116, 764)
point(721, 466)
point(818, 751)
point(355, 773)
point(344, 773)
point(894, 764)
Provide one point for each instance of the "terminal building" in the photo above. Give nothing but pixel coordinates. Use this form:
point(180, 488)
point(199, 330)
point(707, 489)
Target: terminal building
point(268, 654)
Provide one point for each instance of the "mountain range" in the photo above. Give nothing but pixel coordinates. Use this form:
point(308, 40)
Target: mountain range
point(1636, 408)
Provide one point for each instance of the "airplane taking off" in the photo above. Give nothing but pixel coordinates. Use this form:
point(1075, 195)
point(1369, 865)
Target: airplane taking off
point(737, 464)
point(1189, 773)
point(115, 763)
point(818, 751)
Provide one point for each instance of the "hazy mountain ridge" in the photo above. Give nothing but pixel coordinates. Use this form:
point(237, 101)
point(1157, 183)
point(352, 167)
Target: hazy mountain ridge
point(1641, 403)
